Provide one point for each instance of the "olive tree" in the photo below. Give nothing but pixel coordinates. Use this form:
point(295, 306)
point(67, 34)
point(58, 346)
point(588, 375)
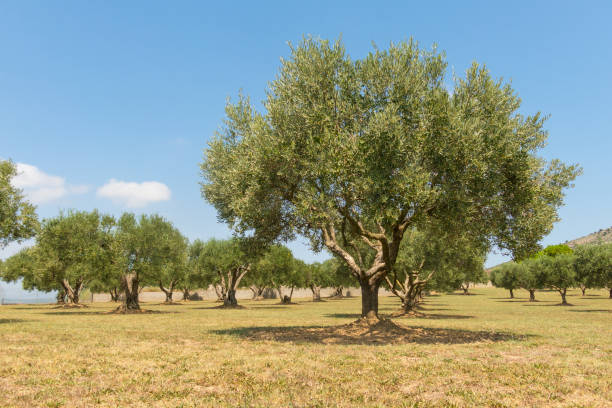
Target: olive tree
point(354, 152)
point(230, 260)
point(559, 273)
point(195, 275)
point(594, 266)
point(172, 272)
point(70, 250)
point(319, 275)
point(507, 276)
point(531, 276)
point(18, 220)
point(144, 249)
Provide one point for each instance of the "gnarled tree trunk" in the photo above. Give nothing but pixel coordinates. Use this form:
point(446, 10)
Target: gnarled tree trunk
point(511, 294)
point(257, 291)
point(220, 291)
point(583, 289)
point(230, 300)
point(61, 297)
point(338, 292)
point(465, 287)
point(186, 294)
point(168, 292)
point(129, 286)
point(231, 284)
point(72, 293)
point(532, 295)
point(114, 294)
point(563, 293)
point(316, 293)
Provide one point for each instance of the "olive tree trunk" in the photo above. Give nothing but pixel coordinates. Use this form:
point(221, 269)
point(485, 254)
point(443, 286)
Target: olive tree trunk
point(61, 297)
point(168, 292)
point(563, 293)
point(511, 294)
point(369, 299)
point(186, 294)
point(532, 295)
point(129, 286)
point(316, 293)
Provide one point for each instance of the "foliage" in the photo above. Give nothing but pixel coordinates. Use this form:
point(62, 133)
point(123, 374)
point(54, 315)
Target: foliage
point(18, 220)
point(507, 276)
point(554, 250)
point(594, 266)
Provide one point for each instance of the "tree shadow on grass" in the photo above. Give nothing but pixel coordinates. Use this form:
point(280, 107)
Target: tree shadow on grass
point(107, 312)
point(385, 332)
point(9, 321)
point(547, 303)
point(592, 311)
point(418, 315)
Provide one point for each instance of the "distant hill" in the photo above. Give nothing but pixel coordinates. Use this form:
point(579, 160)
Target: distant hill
point(601, 236)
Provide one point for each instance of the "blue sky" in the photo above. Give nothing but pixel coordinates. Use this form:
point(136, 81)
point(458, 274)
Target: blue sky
point(119, 93)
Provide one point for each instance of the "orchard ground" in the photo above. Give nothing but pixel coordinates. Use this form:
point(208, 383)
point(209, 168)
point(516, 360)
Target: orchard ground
point(465, 351)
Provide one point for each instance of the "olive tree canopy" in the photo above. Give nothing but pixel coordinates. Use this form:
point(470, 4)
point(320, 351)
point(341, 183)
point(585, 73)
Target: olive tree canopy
point(18, 220)
point(352, 151)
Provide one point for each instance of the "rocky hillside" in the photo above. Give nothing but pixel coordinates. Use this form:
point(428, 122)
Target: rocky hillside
point(603, 235)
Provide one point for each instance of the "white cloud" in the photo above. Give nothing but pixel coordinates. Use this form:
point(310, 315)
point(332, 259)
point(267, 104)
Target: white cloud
point(41, 187)
point(134, 194)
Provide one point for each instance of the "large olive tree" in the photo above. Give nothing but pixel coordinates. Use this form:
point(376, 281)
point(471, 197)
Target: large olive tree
point(354, 152)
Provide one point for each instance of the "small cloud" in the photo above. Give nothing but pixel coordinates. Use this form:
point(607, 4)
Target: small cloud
point(134, 194)
point(41, 187)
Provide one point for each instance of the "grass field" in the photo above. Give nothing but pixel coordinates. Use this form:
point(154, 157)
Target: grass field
point(465, 351)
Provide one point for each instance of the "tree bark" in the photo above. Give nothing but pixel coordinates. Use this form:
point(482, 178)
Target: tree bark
point(338, 292)
point(61, 297)
point(129, 285)
point(532, 295)
point(511, 294)
point(168, 291)
point(230, 298)
point(220, 291)
point(186, 295)
point(465, 289)
point(583, 289)
point(316, 293)
point(563, 293)
point(114, 294)
point(369, 300)
point(610, 293)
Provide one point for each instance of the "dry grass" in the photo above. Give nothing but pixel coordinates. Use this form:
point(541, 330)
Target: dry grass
point(463, 351)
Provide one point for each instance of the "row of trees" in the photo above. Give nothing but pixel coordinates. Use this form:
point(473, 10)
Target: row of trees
point(559, 268)
point(120, 256)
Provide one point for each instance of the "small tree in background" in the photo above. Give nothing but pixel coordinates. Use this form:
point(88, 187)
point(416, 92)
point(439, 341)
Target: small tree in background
point(230, 260)
point(531, 276)
point(507, 276)
point(18, 220)
point(174, 268)
point(319, 275)
point(70, 251)
point(195, 275)
point(142, 248)
point(281, 269)
point(559, 273)
point(594, 266)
